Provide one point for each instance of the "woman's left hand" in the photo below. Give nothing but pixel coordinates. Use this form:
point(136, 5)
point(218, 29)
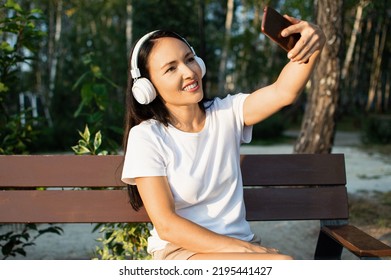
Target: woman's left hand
point(312, 39)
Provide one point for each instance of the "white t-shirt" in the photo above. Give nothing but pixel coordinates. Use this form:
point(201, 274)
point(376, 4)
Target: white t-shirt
point(203, 169)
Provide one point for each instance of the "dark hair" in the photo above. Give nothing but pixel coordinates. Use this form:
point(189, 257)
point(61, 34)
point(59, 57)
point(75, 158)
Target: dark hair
point(136, 112)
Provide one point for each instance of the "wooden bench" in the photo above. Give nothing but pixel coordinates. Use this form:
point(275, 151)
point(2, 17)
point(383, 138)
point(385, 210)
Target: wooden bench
point(277, 187)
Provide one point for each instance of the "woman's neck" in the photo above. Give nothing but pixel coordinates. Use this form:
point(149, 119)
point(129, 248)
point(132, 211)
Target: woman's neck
point(188, 119)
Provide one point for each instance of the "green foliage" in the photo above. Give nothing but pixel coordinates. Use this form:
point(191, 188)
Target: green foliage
point(88, 146)
point(94, 91)
point(12, 243)
point(377, 129)
point(270, 129)
point(162, 18)
point(95, 101)
point(123, 241)
point(91, 47)
point(23, 25)
point(94, 34)
point(16, 137)
point(20, 36)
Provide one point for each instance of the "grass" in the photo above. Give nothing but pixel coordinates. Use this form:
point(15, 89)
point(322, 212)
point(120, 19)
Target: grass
point(370, 209)
point(371, 149)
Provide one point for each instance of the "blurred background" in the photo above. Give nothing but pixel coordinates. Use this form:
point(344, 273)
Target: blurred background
point(64, 66)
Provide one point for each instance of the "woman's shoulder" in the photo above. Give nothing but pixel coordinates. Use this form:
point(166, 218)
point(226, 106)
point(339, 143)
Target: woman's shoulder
point(149, 127)
point(227, 101)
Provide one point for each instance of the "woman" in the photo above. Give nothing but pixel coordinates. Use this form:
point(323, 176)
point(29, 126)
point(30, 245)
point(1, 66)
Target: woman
point(182, 151)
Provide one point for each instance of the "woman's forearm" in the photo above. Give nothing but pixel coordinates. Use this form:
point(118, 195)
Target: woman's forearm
point(193, 237)
point(293, 78)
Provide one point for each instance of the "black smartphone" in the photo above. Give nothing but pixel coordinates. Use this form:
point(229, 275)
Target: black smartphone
point(272, 25)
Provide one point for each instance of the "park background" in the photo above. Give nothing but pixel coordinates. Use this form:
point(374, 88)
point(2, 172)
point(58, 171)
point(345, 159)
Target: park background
point(64, 74)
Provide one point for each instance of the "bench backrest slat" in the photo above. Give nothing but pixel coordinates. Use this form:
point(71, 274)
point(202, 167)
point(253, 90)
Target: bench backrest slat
point(87, 206)
point(295, 187)
point(102, 171)
point(60, 171)
point(293, 169)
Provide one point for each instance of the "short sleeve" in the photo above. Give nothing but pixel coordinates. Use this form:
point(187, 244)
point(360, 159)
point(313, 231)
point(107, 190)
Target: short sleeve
point(143, 157)
point(238, 105)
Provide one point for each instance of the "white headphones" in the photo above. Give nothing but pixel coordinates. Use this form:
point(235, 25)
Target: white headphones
point(143, 90)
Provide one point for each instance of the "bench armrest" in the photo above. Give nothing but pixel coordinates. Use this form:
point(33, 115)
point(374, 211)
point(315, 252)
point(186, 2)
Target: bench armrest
point(357, 241)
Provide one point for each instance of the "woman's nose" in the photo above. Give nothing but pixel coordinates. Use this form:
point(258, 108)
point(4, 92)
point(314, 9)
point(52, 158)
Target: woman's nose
point(188, 71)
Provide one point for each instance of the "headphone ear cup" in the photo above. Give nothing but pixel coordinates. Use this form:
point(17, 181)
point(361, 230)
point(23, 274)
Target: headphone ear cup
point(143, 91)
point(202, 65)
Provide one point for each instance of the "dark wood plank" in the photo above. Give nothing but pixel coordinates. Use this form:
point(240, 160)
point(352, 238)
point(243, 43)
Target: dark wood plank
point(112, 205)
point(263, 204)
point(293, 169)
point(54, 206)
point(60, 171)
point(357, 241)
point(103, 171)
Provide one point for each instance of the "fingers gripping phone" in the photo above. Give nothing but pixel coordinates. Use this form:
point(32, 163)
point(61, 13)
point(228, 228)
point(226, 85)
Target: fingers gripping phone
point(272, 25)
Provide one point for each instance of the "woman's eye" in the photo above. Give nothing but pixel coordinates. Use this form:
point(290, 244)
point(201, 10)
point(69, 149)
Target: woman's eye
point(170, 69)
point(190, 59)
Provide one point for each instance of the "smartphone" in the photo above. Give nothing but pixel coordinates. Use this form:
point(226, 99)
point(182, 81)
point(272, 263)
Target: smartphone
point(272, 25)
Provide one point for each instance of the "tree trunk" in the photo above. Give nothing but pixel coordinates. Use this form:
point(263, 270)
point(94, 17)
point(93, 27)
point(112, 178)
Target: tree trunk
point(378, 49)
point(201, 50)
point(224, 54)
point(318, 127)
point(388, 88)
point(353, 37)
point(129, 26)
point(54, 40)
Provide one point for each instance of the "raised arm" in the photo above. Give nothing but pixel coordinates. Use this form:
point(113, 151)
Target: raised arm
point(266, 101)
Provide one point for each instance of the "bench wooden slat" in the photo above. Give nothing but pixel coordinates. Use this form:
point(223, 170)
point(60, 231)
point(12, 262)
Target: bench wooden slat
point(112, 205)
point(272, 204)
point(104, 171)
point(21, 171)
point(55, 206)
point(293, 169)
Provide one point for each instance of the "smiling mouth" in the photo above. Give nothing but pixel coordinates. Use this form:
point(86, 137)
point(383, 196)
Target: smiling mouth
point(191, 86)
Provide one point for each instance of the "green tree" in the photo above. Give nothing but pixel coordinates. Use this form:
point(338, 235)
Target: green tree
point(18, 129)
point(19, 41)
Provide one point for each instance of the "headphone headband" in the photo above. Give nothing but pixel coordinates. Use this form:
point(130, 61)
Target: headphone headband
point(134, 71)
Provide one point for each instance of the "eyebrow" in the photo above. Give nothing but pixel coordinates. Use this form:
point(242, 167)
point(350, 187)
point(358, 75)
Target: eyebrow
point(174, 61)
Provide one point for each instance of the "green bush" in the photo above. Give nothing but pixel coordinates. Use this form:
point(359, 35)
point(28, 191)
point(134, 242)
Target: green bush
point(270, 129)
point(15, 242)
point(123, 241)
point(377, 129)
point(16, 136)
